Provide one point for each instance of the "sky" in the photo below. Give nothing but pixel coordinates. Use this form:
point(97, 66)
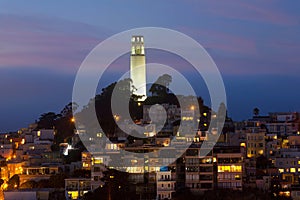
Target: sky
point(255, 44)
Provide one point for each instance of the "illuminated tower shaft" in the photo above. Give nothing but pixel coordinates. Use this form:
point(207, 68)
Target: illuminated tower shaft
point(138, 66)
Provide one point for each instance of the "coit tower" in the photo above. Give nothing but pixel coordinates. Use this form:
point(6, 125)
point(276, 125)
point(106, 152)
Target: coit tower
point(138, 66)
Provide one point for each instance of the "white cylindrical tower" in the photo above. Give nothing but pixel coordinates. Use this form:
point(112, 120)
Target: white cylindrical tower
point(138, 66)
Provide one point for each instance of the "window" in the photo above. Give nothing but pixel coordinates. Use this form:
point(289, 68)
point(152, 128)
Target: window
point(96, 169)
point(232, 168)
point(98, 160)
point(293, 170)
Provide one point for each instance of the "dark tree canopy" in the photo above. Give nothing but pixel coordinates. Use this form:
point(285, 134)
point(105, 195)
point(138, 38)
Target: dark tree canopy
point(117, 186)
point(29, 185)
point(1, 182)
point(62, 123)
point(161, 86)
point(57, 181)
point(47, 120)
point(256, 111)
point(14, 182)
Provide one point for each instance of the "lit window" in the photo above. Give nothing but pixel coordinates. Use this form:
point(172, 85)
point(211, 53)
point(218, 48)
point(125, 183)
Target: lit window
point(232, 168)
point(99, 134)
point(293, 170)
point(98, 160)
point(23, 141)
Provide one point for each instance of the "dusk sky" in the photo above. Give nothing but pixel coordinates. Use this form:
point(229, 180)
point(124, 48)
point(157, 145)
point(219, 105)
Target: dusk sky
point(255, 44)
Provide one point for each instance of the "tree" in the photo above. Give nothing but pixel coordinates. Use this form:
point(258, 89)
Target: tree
point(47, 120)
point(57, 181)
point(262, 162)
point(256, 111)
point(68, 110)
point(116, 187)
point(161, 85)
point(102, 102)
point(14, 182)
point(29, 185)
point(82, 173)
point(64, 125)
point(43, 183)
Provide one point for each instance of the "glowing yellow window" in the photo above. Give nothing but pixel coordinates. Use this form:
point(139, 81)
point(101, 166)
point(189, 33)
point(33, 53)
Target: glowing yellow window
point(98, 160)
point(293, 170)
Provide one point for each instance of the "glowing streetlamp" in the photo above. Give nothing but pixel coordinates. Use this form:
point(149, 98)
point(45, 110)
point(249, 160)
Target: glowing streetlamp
point(192, 107)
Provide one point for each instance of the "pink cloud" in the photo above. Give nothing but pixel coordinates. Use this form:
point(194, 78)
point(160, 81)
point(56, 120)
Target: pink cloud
point(258, 11)
point(33, 44)
point(227, 43)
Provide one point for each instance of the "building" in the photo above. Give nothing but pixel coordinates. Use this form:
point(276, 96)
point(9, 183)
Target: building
point(165, 185)
point(75, 188)
point(45, 134)
point(6, 150)
point(283, 123)
point(97, 169)
point(256, 144)
point(199, 173)
point(138, 66)
point(264, 183)
point(295, 192)
point(36, 173)
point(230, 168)
point(28, 194)
point(86, 159)
point(287, 161)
